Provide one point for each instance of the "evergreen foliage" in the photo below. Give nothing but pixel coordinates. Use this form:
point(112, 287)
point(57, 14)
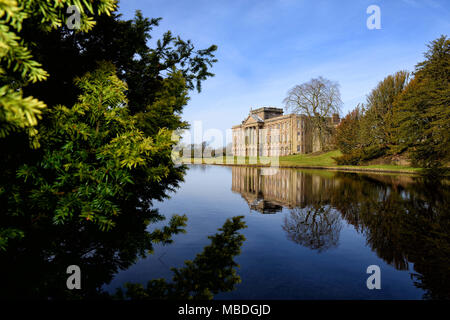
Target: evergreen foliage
point(423, 109)
point(88, 156)
point(17, 64)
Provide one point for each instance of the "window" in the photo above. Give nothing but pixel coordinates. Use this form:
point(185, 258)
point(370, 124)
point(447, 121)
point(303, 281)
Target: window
point(298, 148)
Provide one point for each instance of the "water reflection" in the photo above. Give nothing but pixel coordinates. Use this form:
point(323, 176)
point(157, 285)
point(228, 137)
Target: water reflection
point(312, 222)
point(314, 227)
point(36, 266)
point(404, 219)
point(269, 193)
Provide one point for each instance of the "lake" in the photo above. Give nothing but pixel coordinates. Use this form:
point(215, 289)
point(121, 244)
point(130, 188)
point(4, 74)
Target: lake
point(312, 234)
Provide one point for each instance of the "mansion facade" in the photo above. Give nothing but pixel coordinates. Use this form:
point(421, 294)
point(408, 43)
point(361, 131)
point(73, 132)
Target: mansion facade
point(268, 132)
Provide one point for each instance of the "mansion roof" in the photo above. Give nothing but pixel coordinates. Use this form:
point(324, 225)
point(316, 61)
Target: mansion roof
point(270, 114)
point(263, 115)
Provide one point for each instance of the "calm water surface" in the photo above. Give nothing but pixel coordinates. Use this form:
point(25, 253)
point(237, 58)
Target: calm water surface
point(312, 234)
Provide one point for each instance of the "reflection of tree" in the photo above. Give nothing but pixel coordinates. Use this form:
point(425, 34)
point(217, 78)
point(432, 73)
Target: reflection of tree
point(405, 220)
point(211, 272)
point(315, 227)
point(372, 207)
point(36, 265)
point(403, 223)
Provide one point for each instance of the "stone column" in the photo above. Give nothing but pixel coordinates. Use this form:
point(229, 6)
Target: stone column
point(257, 139)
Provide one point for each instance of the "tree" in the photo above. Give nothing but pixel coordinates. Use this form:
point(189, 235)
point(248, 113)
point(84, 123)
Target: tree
point(348, 131)
point(91, 156)
point(422, 111)
point(158, 81)
point(145, 68)
point(407, 116)
point(318, 99)
point(105, 152)
point(378, 117)
point(18, 67)
point(368, 132)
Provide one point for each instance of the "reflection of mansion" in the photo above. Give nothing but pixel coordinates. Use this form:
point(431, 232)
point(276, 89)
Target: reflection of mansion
point(269, 193)
point(267, 132)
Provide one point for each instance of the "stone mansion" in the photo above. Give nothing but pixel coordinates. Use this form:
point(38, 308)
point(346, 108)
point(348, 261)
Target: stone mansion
point(268, 132)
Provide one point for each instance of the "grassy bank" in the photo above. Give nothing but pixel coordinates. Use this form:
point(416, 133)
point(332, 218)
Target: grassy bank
point(319, 161)
point(322, 160)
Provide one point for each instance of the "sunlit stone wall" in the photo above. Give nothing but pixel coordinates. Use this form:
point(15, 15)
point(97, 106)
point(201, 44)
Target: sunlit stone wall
point(267, 132)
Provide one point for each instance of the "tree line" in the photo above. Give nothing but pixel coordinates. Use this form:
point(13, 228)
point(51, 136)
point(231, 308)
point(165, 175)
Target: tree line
point(406, 114)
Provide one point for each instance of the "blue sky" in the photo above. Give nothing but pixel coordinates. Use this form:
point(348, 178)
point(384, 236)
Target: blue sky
point(266, 47)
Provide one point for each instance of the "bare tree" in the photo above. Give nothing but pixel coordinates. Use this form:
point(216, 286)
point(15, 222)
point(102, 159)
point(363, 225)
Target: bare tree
point(318, 99)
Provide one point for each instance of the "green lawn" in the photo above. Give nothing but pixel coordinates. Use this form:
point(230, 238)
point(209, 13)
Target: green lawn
point(326, 160)
point(319, 160)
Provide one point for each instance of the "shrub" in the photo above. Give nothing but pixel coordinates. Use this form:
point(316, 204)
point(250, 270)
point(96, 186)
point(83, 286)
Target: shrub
point(357, 157)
